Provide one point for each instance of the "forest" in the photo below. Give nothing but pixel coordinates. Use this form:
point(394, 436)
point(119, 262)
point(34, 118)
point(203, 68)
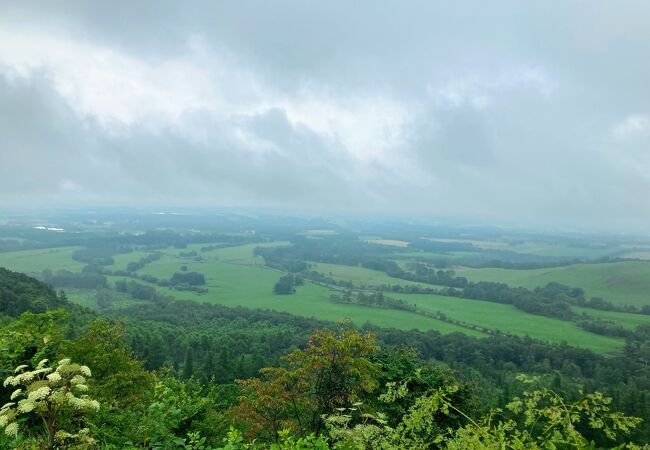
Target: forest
point(294, 339)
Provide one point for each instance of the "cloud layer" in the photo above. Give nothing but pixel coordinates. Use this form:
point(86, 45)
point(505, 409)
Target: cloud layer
point(516, 112)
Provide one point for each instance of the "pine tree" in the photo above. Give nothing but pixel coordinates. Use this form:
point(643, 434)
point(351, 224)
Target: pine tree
point(188, 367)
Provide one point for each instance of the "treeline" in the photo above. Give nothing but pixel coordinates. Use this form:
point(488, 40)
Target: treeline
point(134, 266)
point(349, 250)
point(377, 299)
point(101, 249)
point(86, 279)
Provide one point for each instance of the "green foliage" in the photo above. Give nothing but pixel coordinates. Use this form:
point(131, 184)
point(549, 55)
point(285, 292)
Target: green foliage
point(20, 293)
point(331, 372)
point(541, 419)
point(31, 338)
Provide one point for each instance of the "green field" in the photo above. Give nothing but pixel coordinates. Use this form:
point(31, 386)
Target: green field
point(33, 262)
point(360, 275)
point(538, 248)
point(626, 282)
point(627, 320)
point(509, 319)
point(235, 277)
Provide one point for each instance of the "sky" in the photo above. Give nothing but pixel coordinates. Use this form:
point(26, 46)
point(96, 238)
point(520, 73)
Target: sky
point(533, 112)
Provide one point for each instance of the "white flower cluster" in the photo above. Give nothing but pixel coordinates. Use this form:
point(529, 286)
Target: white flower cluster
point(54, 377)
point(45, 384)
point(39, 394)
point(64, 362)
point(25, 377)
point(25, 406)
point(78, 379)
point(82, 403)
point(4, 419)
point(15, 394)
point(11, 429)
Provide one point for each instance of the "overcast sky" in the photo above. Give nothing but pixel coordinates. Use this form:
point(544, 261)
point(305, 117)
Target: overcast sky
point(528, 111)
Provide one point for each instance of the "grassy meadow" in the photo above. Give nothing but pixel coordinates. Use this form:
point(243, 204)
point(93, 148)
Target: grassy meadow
point(236, 277)
point(624, 282)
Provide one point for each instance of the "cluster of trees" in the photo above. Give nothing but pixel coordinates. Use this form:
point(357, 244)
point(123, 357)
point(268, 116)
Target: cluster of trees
point(136, 290)
point(181, 281)
point(86, 279)
point(603, 326)
point(287, 284)
point(13, 245)
point(424, 274)
point(134, 266)
point(189, 278)
point(377, 299)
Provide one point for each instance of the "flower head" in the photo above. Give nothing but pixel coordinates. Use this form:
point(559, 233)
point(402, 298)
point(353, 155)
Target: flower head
point(54, 377)
point(15, 394)
point(85, 370)
point(11, 429)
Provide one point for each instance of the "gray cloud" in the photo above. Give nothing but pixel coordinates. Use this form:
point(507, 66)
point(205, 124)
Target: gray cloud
point(537, 113)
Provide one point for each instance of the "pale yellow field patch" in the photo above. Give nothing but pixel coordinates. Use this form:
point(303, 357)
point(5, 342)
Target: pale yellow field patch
point(391, 242)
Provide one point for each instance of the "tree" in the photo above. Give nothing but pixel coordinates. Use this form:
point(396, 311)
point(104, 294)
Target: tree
point(285, 285)
point(331, 372)
point(188, 367)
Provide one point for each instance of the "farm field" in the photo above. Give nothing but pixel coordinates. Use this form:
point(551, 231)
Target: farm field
point(627, 320)
point(511, 320)
point(361, 275)
point(625, 282)
point(33, 262)
point(543, 249)
point(236, 277)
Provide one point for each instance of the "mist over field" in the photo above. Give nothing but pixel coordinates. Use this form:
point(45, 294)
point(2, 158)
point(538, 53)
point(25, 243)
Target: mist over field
point(530, 113)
